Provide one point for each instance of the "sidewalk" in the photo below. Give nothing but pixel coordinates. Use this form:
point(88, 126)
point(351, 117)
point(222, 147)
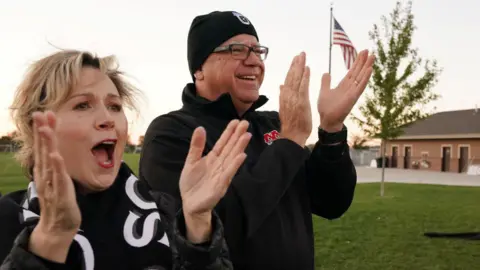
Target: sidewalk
point(372, 175)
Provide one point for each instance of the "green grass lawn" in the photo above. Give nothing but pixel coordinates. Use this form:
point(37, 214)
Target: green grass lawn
point(376, 233)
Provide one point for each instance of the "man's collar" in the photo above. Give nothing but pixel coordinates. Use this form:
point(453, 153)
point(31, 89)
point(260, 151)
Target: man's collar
point(222, 107)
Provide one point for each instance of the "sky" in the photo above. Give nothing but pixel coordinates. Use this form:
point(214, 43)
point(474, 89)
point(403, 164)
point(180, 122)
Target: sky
point(149, 38)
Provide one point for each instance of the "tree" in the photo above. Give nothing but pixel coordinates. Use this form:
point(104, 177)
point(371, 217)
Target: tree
point(130, 146)
point(6, 140)
point(13, 134)
point(358, 142)
point(8, 143)
point(397, 99)
point(140, 140)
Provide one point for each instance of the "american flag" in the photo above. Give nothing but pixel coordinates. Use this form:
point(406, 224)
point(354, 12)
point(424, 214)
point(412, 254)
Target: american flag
point(341, 38)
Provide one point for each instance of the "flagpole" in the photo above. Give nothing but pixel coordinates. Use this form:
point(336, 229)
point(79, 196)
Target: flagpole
point(330, 52)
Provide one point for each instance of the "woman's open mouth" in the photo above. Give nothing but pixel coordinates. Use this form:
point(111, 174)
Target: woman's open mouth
point(104, 153)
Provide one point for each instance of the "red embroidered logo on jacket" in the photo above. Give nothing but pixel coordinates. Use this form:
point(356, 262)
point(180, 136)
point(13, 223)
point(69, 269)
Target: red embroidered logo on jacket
point(271, 136)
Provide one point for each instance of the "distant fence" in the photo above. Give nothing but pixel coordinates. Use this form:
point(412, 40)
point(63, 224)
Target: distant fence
point(8, 148)
point(363, 157)
point(133, 149)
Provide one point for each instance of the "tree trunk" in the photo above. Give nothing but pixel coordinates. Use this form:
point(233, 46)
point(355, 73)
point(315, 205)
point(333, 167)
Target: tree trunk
point(383, 149)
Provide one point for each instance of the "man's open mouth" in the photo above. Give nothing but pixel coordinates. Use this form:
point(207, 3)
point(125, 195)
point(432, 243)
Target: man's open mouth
point(247, 77)
point(104, 153)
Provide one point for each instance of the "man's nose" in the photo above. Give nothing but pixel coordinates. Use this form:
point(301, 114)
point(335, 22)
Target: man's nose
point(253, 60)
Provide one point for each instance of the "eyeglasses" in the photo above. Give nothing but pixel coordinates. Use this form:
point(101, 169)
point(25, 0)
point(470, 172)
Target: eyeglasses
point(242, 51)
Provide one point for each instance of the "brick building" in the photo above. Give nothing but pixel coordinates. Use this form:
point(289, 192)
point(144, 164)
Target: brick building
point(446, 141)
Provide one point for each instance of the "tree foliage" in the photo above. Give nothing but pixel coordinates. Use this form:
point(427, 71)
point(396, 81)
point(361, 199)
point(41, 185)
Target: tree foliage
point(358, 142)
point(140, 140)
point(397, 97)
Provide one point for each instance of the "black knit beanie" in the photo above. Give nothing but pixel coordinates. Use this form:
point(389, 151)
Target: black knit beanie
point(210, 30)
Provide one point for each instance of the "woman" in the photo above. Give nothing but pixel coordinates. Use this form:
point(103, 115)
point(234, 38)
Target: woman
point(84, 208)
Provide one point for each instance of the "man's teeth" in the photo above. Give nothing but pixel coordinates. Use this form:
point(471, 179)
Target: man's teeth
point(107, 162)
point(253, 77)
point(108, 142)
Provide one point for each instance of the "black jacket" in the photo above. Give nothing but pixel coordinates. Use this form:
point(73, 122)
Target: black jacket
point(153, 239)
point(267, 209)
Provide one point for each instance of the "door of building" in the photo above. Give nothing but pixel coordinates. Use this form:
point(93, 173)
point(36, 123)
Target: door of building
point(407, 157)
point(463, 159)
point(394, 156)
point(446, 155)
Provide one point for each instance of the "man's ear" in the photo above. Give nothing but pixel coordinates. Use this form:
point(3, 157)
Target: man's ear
point(198, 75)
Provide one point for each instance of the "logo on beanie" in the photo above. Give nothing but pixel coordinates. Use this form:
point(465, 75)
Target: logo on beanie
point(241, 18)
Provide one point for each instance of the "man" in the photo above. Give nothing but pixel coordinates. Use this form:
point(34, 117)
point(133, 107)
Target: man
point(267, 210)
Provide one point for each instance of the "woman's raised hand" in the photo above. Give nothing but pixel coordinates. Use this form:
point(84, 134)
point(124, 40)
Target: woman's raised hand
point(59, 213)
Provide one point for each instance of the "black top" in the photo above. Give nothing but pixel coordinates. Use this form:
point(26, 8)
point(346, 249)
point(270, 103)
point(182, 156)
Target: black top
point(124, 227)
point(267, 209)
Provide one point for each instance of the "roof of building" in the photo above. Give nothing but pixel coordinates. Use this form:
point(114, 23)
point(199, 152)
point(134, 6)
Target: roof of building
point(445, 125)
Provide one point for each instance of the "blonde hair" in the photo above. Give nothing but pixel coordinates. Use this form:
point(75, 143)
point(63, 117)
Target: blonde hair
point(48, 83)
